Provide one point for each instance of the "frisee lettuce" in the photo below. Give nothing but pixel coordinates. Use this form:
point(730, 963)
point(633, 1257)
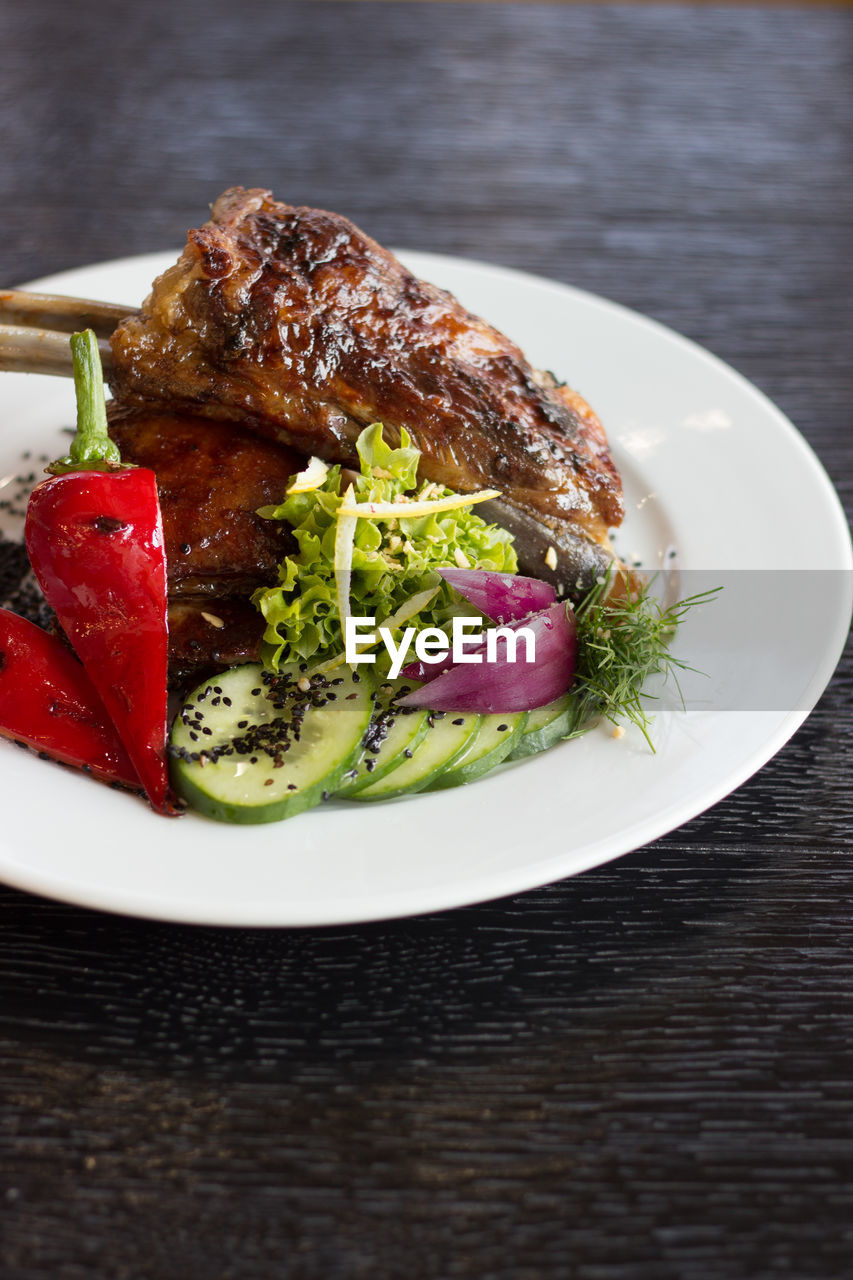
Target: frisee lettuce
point(392, 560)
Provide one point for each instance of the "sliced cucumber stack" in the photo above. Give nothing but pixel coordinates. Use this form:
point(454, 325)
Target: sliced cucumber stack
point(446, 738)
point(545, 726)
point(492, 743)
point(392, 733)
point(250, 747)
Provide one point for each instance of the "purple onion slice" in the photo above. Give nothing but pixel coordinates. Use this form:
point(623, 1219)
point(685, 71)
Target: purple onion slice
point(504, 685)
point(502, 597)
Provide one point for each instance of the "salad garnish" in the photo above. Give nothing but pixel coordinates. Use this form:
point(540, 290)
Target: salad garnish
point(623, 641)
point(361, 552)
point(373, 564)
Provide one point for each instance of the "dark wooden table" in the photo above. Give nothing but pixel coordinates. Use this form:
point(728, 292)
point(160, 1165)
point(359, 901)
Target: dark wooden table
point(642, 1073)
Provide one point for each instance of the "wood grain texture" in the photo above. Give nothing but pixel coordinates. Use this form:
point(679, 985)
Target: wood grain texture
point(643, 1073)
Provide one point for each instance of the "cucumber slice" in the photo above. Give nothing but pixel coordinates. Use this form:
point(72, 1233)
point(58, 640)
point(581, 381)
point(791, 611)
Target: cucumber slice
point(545, 726)
point(445, 739)
point(391, 733)
point(272, 749)
point(492, 743)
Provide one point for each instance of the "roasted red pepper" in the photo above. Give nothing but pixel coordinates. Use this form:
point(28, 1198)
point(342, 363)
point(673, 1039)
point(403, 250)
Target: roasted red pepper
point(95, 540)
point(49, 703)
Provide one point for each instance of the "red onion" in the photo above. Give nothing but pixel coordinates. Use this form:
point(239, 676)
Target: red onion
point(426, 671)
point(489, 687)
point(503, 597)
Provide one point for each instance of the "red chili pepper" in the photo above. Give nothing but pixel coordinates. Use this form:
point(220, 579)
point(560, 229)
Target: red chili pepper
point(95, 540)
point(48, 702)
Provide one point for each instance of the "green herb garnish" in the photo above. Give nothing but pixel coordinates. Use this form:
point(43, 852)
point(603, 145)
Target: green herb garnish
point(621, 644)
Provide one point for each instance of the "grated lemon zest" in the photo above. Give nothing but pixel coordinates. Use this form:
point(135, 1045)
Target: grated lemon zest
point(412, 510)
point(311, 478)
point(344, 543)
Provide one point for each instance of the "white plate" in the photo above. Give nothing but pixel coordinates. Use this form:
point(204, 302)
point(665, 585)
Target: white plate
point(709, 466)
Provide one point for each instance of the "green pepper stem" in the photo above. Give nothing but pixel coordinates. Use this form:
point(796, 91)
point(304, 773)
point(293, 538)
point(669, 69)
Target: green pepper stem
point(91, 449)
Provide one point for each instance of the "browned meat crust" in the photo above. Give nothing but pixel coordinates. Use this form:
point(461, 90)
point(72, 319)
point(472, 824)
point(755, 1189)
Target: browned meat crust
point(296, 323)
point(211, 477)
point(206, 635)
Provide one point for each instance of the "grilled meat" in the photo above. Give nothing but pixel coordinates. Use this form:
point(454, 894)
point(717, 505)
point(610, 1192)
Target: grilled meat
point(206, 635)
point(296, 324)
point(211, 478)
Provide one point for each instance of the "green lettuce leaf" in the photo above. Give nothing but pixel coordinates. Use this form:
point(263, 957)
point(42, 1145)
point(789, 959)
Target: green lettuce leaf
point(392, 560)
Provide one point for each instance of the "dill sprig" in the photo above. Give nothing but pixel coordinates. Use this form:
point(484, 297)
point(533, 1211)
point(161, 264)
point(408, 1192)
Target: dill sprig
point(622, 643)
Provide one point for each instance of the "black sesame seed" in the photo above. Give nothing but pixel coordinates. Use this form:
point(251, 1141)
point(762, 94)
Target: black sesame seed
point(502, 728)
point(461, 720)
